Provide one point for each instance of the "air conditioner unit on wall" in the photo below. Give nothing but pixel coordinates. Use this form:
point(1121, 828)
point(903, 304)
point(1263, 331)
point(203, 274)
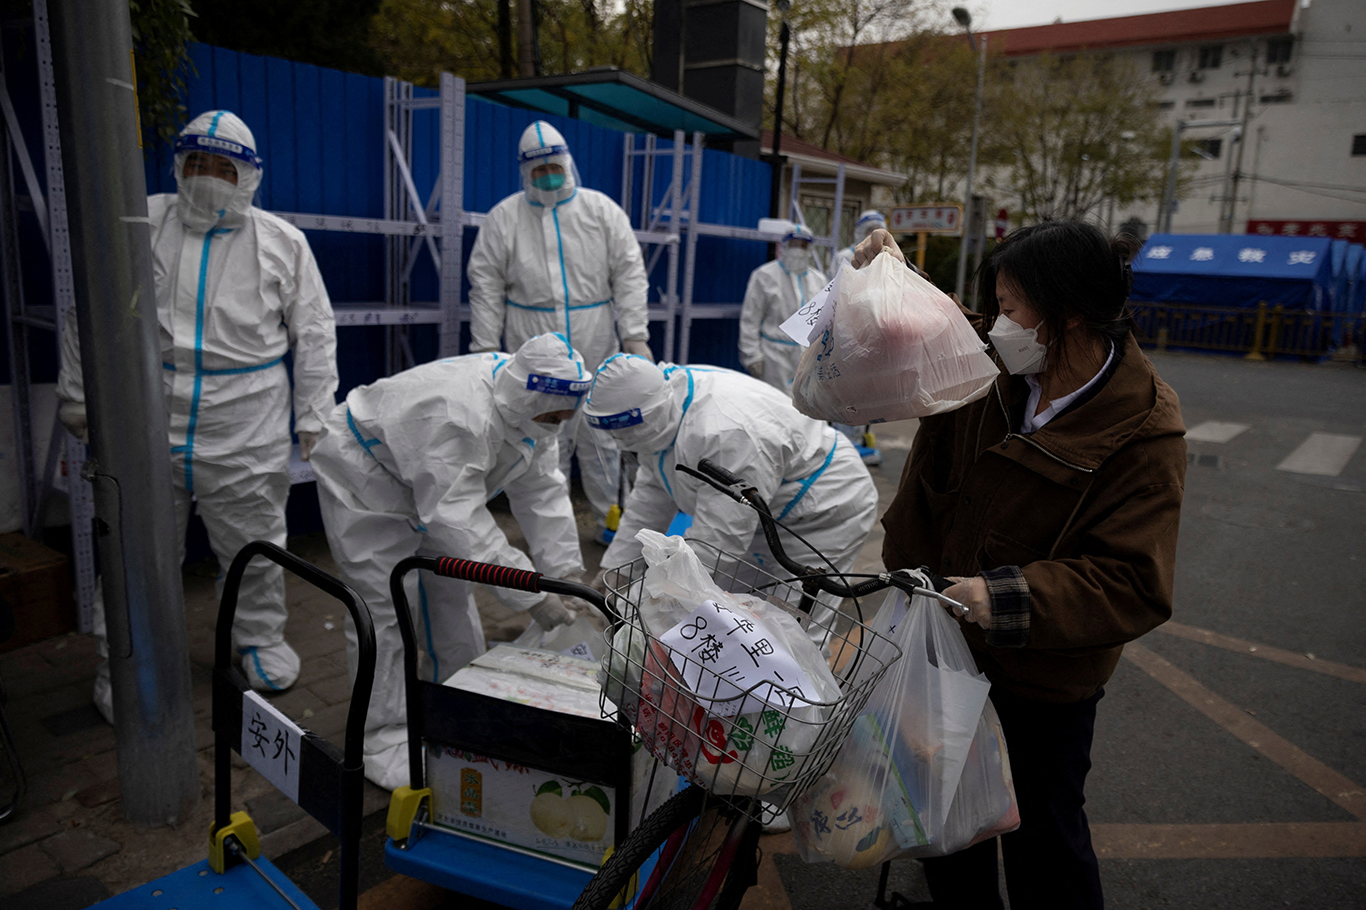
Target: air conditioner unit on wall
point(1165, 78)
point(1197, 76)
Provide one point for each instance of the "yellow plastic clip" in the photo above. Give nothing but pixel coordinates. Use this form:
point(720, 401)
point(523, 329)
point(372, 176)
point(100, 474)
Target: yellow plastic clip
point(614, 517)
point(240, 826)
point(403, 808)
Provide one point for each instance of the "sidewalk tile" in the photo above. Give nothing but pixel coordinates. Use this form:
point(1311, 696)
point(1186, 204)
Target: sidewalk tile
point(74, 850)
point(24, 867)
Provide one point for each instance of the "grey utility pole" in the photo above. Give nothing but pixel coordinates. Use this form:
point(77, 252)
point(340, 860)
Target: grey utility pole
point(965, 19)
point(129, 466)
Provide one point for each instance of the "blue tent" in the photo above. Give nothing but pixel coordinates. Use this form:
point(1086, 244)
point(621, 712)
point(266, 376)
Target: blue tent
point(1356, 278)
point(1236, 270)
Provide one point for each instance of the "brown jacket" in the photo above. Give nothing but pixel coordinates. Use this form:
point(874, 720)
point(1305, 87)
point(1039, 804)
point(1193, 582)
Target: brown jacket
point(1074, 526)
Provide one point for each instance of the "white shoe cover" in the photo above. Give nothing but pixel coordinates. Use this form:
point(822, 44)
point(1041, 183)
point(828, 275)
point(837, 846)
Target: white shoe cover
point(104, 693)
point(273, 668)
point(386, 757)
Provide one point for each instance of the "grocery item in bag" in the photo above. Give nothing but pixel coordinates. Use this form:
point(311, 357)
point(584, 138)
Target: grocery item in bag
point(895, 347)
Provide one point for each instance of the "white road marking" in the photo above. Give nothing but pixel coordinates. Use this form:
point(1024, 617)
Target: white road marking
point(1325, 454)
point(1215, 431)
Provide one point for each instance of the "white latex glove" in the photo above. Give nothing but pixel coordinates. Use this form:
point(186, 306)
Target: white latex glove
point(72, 416)
point(756, 369)
point(551, 612)
point(306, 443)
point(972, 593)
point(639, 348)
point(879, 240)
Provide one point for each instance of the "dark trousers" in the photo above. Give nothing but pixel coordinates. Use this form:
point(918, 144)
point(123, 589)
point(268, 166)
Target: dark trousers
point(1049, 862)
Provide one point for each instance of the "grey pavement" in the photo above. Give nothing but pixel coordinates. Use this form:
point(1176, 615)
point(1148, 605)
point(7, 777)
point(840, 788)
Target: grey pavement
point(1229, 756)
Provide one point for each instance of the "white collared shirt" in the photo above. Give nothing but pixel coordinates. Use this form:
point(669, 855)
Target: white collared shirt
point(1034, 422)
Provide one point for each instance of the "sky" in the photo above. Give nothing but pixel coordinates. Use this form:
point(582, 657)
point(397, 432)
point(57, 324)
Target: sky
point(996, 14)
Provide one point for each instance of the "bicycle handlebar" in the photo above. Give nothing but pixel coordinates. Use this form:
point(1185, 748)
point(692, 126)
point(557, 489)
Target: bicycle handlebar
point(505, 577)
point(745, 493)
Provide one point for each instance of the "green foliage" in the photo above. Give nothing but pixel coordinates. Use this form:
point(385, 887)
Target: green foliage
point(418, 39)
point(161, 31)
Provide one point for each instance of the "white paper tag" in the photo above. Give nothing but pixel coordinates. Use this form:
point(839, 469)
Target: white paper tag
point(717, 642)
point(271, 743)
point(810, 320)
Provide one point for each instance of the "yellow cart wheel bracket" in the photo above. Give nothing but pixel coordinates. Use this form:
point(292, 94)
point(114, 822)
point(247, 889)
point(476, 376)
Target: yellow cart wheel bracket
point(240, 826)
point(614, 517)
point(403, 808)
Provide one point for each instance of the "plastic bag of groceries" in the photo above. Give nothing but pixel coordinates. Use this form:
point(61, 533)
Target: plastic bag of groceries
point(726, 689)
point(894, 347)
point(924, 771)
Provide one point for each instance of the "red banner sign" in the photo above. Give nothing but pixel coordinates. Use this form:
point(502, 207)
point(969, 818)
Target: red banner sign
point(1354, 231)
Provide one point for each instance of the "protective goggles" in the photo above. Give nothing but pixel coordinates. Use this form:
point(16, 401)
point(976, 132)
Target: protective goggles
point(213, 145)
point(799, 235)
point(548, 151)
point(871, 219)
point(616, 421)
point(552, 385)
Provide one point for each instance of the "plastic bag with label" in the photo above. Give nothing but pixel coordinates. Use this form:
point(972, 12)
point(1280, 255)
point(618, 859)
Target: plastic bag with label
point(894, 347)
point(739, 746)
point(924, 771)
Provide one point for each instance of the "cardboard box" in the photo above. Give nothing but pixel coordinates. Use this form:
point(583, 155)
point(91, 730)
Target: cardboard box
point(35, 581)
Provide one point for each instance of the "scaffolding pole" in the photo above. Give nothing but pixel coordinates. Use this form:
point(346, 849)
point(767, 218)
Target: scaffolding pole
point(116, 310)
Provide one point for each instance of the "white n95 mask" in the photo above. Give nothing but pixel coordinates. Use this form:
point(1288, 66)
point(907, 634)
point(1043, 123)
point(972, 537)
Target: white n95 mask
point(796, 260)
point(1018, 346)
point(205, 199)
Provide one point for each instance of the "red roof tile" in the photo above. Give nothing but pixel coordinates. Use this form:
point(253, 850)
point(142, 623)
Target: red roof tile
point(1208, 23)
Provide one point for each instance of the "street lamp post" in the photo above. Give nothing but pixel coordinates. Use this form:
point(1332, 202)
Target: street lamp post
point(965, 19)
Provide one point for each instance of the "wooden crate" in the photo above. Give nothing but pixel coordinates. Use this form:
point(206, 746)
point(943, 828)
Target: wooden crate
point(35, 581)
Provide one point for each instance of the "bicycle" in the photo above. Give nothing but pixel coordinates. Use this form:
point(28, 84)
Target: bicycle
point(699, 849)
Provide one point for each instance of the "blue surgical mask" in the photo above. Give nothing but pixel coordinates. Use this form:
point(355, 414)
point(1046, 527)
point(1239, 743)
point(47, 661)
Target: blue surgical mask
point(548, 181)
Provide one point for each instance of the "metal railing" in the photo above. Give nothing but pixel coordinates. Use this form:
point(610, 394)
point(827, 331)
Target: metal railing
point(1261, 333)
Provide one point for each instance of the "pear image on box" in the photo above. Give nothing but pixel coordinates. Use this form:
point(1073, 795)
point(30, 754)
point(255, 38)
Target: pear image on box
point(581, 816)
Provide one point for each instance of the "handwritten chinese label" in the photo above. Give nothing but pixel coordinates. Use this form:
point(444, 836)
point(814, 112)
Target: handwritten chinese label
point(811, 319)
point(271, 743)
point(721, 654)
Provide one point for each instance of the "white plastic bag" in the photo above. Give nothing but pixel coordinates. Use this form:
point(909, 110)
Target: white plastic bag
point(744, 747)
point(924, 771)
point(895, 347)
point(580, 638)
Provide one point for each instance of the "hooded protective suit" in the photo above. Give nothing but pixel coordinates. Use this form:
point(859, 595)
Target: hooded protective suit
point(868, 222)
point(237, 288)
point(776, 290)
point(810, 474)
point(560, 260)
point(406, 466)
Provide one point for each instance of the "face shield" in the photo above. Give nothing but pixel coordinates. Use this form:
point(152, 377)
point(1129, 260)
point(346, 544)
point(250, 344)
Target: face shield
point(205, 197)
point(546, 375)
point(548, 173)
point(868, 222)
point(795, 250)
point(633, 403)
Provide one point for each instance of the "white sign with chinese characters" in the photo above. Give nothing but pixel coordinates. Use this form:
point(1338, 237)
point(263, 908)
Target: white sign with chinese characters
point(721, 653)
point(271, 743)
point(810, 320)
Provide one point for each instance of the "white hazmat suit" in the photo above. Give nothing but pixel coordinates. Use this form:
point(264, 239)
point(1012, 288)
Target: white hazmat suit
point(776, 290)
point(562, 259)
point(866, 224)
point(237, 289)
point(406, 467)
point(808, 473)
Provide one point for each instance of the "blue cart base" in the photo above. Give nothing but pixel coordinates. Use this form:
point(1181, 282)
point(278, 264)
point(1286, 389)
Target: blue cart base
point(193, 887)
point(487, 871)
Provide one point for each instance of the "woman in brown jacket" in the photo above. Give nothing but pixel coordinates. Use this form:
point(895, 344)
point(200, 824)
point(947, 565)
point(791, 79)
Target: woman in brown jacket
point(1053, 503)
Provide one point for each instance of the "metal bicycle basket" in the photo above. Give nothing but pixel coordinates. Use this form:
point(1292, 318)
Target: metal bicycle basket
point(766, 741)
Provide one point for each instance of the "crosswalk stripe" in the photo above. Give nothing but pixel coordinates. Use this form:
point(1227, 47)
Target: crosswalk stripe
point(1216, 431)
point(1324, 454)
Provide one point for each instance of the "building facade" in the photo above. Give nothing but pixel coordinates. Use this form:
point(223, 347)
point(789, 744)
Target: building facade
point(1287, 81)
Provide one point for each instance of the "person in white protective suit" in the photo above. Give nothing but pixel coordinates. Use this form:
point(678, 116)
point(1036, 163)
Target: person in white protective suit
point(559, 257)
point(867, 222)
point(809, 474)
point(406, 467)
point(776, 290)
point(237, 288)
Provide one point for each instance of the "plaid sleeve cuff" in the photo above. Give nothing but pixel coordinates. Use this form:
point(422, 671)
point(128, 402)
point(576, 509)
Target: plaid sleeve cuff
point(1009, 594)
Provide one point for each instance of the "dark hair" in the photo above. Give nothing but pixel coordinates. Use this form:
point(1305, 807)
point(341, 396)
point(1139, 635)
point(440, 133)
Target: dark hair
point(1065, 269)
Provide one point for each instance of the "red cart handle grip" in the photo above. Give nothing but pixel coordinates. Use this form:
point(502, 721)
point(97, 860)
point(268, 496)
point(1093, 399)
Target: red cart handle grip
point(486, 574)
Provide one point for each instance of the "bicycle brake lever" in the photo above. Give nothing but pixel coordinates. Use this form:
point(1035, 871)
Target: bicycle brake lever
point(939, 583)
